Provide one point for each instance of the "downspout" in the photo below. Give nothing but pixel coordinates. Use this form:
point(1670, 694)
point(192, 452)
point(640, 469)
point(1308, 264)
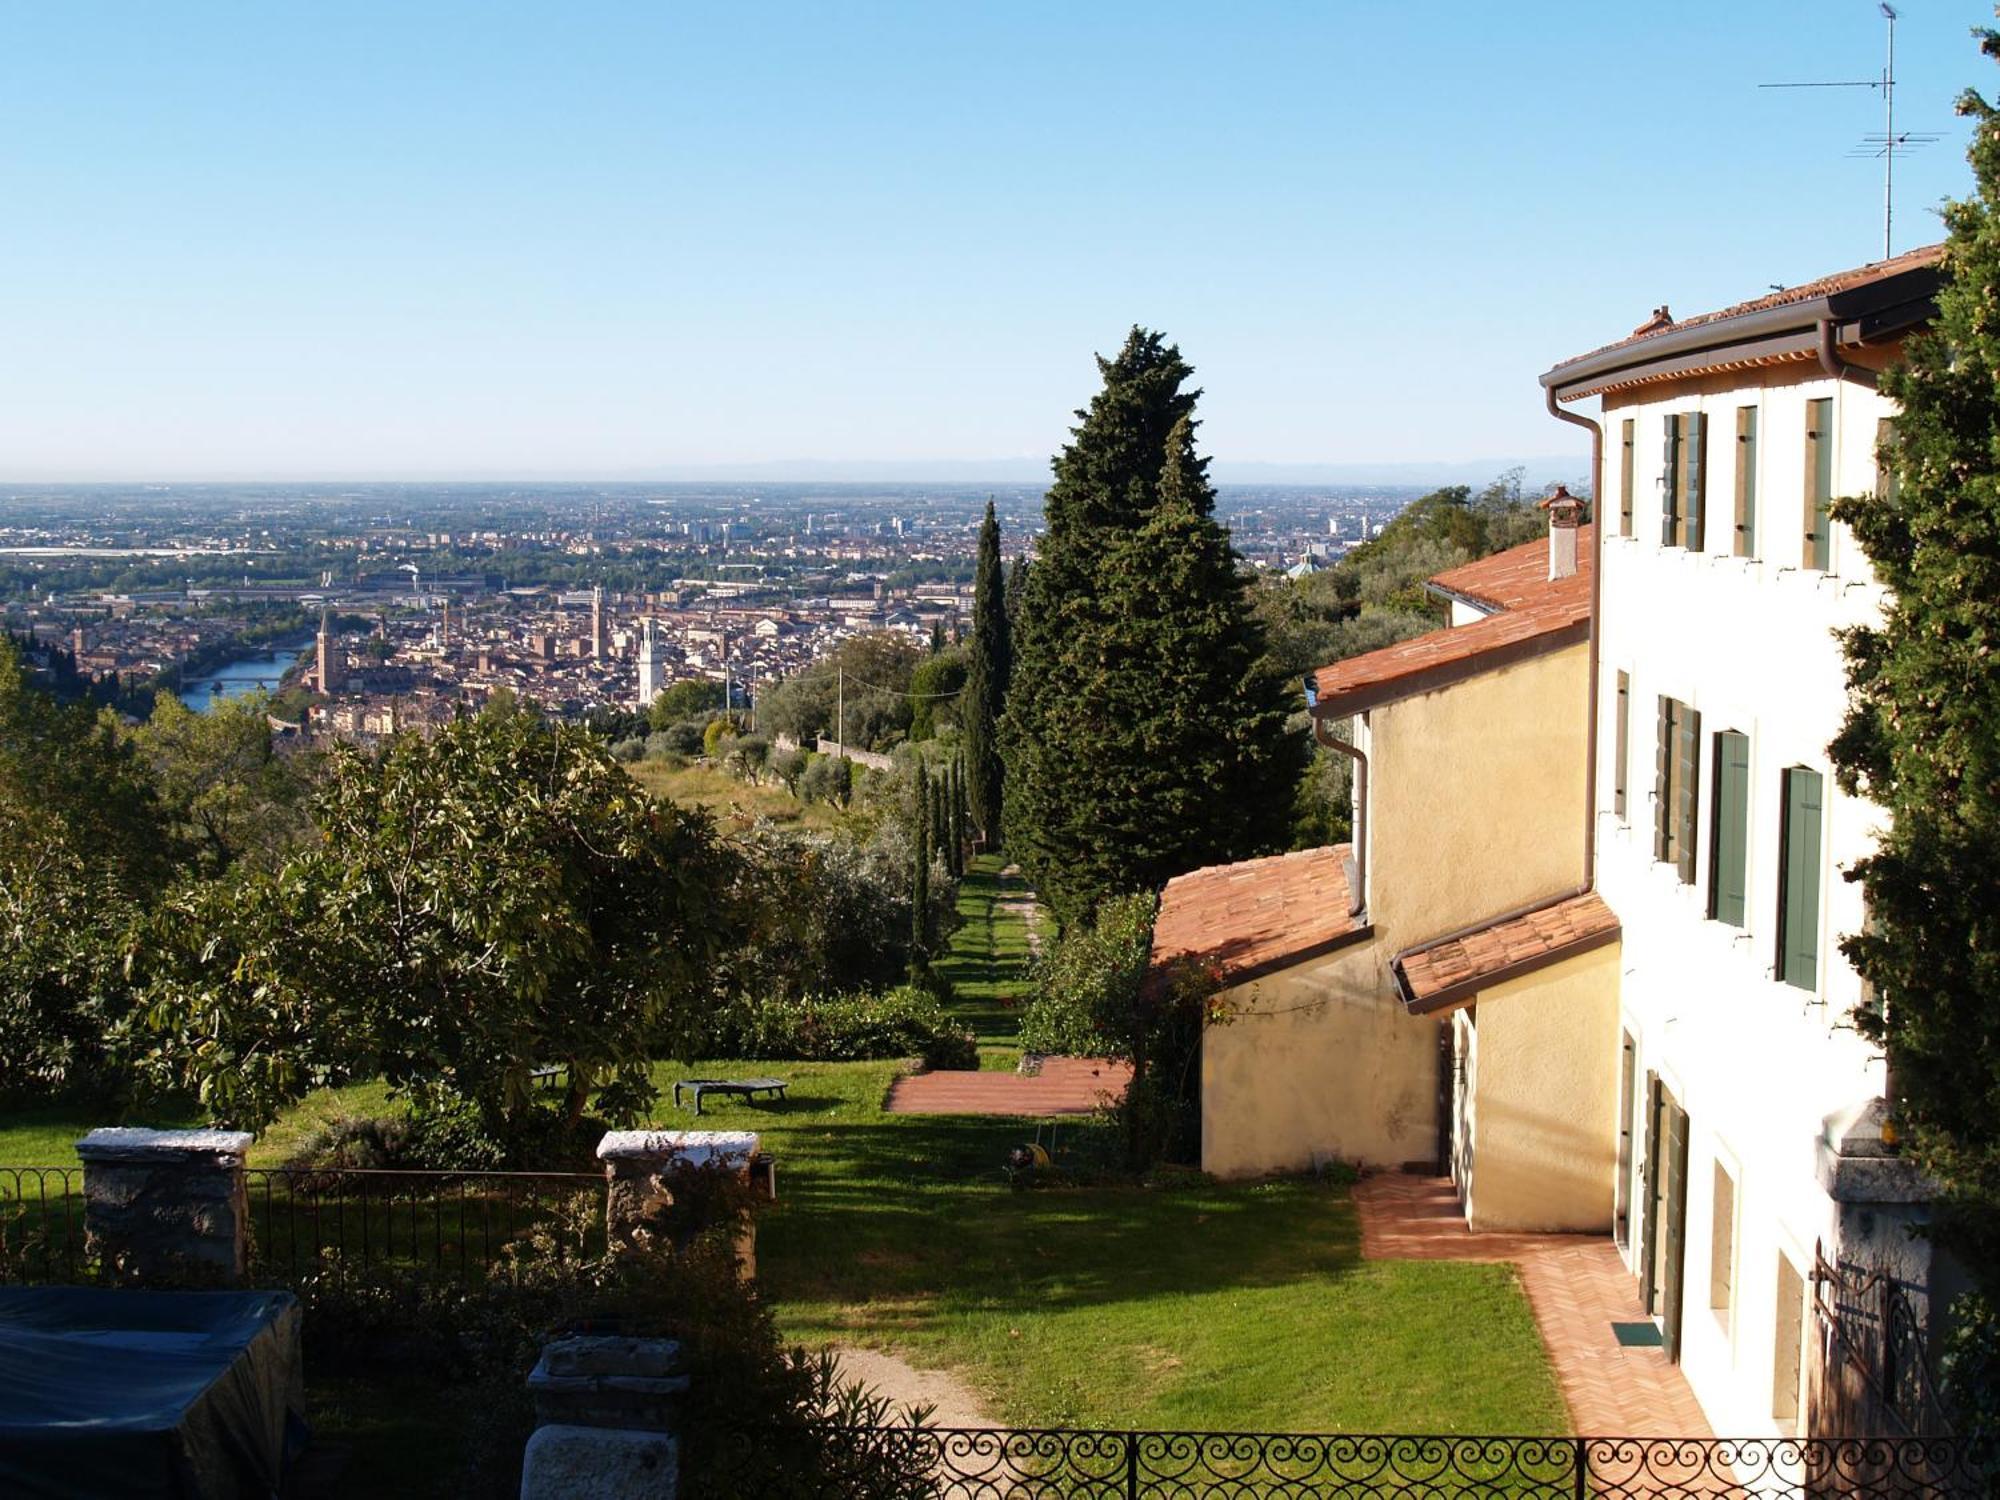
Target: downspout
point(1831, 362)
point(1596, 599)
point(1358, 892)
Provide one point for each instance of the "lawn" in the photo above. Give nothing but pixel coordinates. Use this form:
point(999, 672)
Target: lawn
point(987, 959)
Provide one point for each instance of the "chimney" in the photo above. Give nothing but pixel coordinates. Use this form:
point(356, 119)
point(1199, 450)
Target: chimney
point(1565, 511)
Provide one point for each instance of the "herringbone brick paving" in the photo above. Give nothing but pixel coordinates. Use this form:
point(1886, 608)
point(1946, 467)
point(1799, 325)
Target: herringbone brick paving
point(1577, 1286)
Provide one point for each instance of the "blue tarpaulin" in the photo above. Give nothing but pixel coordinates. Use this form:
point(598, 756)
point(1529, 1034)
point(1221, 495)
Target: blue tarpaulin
point(132, 1393)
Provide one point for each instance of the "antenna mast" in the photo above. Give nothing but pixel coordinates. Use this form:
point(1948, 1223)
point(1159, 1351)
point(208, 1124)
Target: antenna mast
point(1885, 144)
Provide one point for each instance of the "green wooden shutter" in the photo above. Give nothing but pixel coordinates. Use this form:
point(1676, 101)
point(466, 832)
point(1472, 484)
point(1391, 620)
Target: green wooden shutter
point(1819, 482)
point(1621, 748)
point(1729, 839)
point(1694, 466)
point(1670, 469)
point(1798, 916)
point(1663, 757)
point(1625, 478)
point(1746, 481)
point(1687, 799)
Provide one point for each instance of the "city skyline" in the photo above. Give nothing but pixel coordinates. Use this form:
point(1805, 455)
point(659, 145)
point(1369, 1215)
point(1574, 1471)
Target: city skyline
point(463, 243)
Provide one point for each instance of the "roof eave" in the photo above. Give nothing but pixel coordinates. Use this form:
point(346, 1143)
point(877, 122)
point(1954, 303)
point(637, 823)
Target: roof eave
point(1465, 991)
point(1369, 695)
point(1874, 312)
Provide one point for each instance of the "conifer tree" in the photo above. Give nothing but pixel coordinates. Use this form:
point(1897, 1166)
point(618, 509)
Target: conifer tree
point(986, 683)
point(1922, 735)
point(1145, 730)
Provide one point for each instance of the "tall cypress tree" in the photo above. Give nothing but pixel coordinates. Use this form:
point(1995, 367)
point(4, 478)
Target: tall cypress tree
point(1145, 730)
point(1922, 736)
point(986, 684)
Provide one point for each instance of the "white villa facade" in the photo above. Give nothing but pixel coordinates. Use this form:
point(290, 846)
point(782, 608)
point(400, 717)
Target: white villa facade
point(1749, 1134)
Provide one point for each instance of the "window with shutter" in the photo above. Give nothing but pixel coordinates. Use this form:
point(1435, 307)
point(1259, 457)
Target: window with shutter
point(1670, 480)
point(1663, 757)
point(1819, 484)
point(1746, 481)
point(1799, 878)
point(1694, 478)
point(1729, 832)
point(1677, 783)
point(1621, 743)
point(1687, 790)
point(1625, 479)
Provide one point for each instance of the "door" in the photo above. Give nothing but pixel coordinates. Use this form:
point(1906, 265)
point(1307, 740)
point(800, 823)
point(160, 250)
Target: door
point(1627, 1106)
point(1666, 1209)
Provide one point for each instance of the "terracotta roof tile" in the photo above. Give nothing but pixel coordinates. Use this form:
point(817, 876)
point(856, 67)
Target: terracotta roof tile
point(1256, 915)
point(1529, 611)
point(1825, 286)
point(1456, 968)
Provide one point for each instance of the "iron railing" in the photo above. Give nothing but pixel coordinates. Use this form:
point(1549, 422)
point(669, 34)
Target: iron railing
point(41, 1222)
point(304, 1219)
point(1044, 1464)
point(460, 1223)
point(1875, 1329)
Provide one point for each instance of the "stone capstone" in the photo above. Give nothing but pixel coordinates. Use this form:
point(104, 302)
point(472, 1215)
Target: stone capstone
point(697, 1148)
point(133, 1143)
point(598, 1463)
point(609, 1381)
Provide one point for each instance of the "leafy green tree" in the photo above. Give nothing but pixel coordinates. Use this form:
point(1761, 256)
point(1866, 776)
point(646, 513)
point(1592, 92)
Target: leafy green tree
point(229, 793)
point(692, 698)
point(1145, 732)
point(478, 903)
point(877, 667)
point(986, 679)
point(936, 689)
point(920, 879)
point(1922, 734)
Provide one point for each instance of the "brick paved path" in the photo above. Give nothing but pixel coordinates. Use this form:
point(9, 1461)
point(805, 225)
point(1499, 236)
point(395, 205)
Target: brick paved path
point(1065, 1086)
point(1576, 1285)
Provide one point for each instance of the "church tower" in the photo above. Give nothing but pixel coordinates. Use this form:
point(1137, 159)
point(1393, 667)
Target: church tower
point(649, 686)
point(329, 666)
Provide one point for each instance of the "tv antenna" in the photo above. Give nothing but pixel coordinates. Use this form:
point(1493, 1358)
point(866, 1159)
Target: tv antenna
point(1889, 141)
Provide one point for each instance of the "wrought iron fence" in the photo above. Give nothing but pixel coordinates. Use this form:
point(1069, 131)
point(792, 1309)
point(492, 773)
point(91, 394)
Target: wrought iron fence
point(1044, 1464)
point(1875, 1329)
point(41, 1222)
point(459, 1223)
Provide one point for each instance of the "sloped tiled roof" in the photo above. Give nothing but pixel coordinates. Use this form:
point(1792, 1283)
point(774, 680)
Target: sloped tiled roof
point(1824, 286)
point(1441, 974)
point(1257, 915)
point(1531, 614)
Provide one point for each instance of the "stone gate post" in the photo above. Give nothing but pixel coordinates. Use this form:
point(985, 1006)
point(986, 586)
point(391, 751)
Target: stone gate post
point(167, 1204)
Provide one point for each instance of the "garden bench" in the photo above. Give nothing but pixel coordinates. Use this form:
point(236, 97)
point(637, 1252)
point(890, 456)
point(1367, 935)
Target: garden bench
point(746, 1089)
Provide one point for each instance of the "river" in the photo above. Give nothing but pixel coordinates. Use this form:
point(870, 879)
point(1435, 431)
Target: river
point(239, 678)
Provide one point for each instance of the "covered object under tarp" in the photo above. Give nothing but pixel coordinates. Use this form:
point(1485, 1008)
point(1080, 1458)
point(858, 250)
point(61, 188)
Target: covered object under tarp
point(132, 1393)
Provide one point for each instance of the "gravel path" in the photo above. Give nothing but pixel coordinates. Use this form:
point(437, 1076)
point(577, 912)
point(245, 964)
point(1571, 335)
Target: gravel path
point(906, 1385)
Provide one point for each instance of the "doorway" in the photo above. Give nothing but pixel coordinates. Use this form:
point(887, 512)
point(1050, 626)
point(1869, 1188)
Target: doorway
point(1665, 1209)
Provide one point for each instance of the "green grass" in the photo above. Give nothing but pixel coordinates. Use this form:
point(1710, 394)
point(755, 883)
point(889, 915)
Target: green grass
point(1194, 1305)
point(729, 799)
point(986, 962)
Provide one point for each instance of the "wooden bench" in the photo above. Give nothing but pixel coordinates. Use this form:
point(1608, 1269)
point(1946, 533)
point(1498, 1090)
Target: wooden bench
point(746, 1089)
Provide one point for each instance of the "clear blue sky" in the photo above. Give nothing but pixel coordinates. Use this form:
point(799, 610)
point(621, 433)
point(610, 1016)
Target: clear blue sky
point(425, 240)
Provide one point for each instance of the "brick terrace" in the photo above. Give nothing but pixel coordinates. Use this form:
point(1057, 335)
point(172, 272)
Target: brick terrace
point(1065, 1086)
point(1576, 1285)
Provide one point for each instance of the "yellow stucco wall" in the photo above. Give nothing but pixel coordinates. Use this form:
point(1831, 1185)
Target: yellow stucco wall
point(1476, 807)
point(1477, 799)
point(1319, 1064)
point(1545, 1103)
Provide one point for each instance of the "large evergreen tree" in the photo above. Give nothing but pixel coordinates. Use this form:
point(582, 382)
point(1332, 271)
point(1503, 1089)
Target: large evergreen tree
point(1922, 736)
point(986, 684)
point(1145, 730)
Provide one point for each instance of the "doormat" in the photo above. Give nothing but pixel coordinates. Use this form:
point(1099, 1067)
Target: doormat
point(1638, 1335)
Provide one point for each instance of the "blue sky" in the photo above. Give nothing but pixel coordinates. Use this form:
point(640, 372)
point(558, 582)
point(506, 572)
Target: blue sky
point(427, 240)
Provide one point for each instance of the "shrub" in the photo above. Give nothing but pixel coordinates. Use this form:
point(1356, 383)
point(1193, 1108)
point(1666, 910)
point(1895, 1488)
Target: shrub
point(827, 778)
point(628, 749)
point(904, 1022)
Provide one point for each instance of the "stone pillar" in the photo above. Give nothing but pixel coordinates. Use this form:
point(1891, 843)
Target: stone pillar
point(167, 1204)
point(639, 1171)
point(610, 1410)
